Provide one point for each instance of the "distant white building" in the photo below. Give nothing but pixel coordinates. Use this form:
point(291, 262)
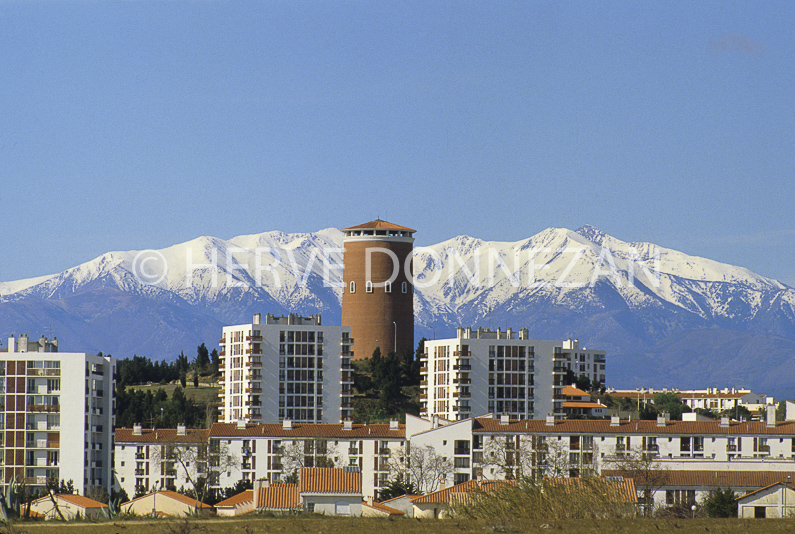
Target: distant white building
point(57, 415)
point(287, 368)
point(484, 371)
point(715, 399)
point(149, 459)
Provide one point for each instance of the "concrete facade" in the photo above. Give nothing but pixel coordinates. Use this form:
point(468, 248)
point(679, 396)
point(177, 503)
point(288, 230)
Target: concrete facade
point(287, 368)
point(484, 371)
point(57, 415)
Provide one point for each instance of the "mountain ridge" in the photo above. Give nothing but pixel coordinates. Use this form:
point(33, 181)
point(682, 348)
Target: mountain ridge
point(633, 299)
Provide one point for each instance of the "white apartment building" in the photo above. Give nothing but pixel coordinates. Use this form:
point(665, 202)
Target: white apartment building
point(715, 399)
point(159, 458)
point(484, 371)
point(57, 415)
point(287, 368)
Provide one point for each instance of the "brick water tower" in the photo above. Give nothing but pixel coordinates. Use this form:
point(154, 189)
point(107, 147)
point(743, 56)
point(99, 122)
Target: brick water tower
point(378, 297)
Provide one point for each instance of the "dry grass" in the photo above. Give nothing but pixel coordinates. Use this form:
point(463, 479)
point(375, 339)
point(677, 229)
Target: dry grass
point(329, 525)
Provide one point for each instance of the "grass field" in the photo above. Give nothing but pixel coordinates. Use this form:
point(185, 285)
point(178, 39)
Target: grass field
point(331, 525)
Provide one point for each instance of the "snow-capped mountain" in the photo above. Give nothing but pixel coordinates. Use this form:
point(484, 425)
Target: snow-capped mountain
point(664, 317)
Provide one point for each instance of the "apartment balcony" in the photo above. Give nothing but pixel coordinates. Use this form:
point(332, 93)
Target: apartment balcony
point(462, 394)
point(222, 341)
point(35, 481)
point(764, 449)
point(222, 353)
point(255, 350)
point(255, 363)
point(423, 382)
point(253, 338)
point(384, 451)
point(49, 408)
point(353, 451)
point(464, 353)
point(464, 367)
point(346, 366)
point(423, 395)
point(731, 448)
point(423, 356)
point(140, 472)
point(347, 353)
point(461, 451)
point(346, 405)
point(139, 456)
point(171, 473)
point(253, 390)
point(462, 381)
point(423, 369)
point(652, 448)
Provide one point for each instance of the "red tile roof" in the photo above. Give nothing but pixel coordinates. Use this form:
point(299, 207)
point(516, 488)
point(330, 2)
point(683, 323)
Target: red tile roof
point(582, 404)
point(381, 507)
point(308, 430)
point(603, 426)
point(378, 224)
point(444, 495)
point(621, 490)
point(734, 479)
point(278, 497)
point(234, 500)
point(184, 499)
point(790, 486)
point(77, 500)
point(571, 391)
point(161, 435)
point(328, 480)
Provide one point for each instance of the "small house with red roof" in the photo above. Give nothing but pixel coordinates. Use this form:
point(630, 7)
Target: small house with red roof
point(165, 503)
point(330, 491)
point(70, 507)
point(774, 500)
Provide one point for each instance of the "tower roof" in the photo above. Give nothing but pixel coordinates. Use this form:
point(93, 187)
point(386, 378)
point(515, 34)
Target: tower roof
point(378, 224)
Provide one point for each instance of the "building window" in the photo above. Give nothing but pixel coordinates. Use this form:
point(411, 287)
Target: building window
point(388, 287)
point(368, 287)
point(404, 287)
point(353, 287)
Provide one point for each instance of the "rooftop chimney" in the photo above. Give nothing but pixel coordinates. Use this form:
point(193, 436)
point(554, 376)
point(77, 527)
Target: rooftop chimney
point(550, 420)
point(137, 430)
point(771, 416)
point(661, 420)
point(504, 419)
point(257, 318)
point(393, 424)
point(724, 422)
point(614, 420)
point(180, 430)
point(241, 424)
point(12, 344)
point(347, 424)
point(287, 424)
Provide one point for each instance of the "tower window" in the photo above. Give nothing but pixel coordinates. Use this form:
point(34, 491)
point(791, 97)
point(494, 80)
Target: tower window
point(388, 287)
point(353, 287)
point(404, 287)
point(368, 286)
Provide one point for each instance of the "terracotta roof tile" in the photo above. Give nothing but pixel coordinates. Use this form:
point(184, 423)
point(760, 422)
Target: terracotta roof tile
point(278, 497)
point(603, 426)
point(790, 486)
point(174, 495)
point(622, 490)
point(381, 507)
point(234, 500)
point(582, 404)
point(328, 480)
point(571, 391)
point(734, 479)
point(444, 495)
point(161, 435)
point(77, 500)
point(308, 430)
point(378, 224)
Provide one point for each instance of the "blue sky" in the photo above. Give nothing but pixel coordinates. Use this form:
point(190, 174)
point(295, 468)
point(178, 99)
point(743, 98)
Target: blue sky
point(131, 125)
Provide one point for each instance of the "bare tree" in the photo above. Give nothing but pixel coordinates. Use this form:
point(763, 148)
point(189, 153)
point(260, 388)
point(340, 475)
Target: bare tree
point(308, 453)
point(643, 467)
point(510, 456)
point(196, 461)
point(421, 466)
point(556, 460)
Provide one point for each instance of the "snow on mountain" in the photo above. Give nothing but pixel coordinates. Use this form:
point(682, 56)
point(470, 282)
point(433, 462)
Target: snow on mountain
point(633, 299)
